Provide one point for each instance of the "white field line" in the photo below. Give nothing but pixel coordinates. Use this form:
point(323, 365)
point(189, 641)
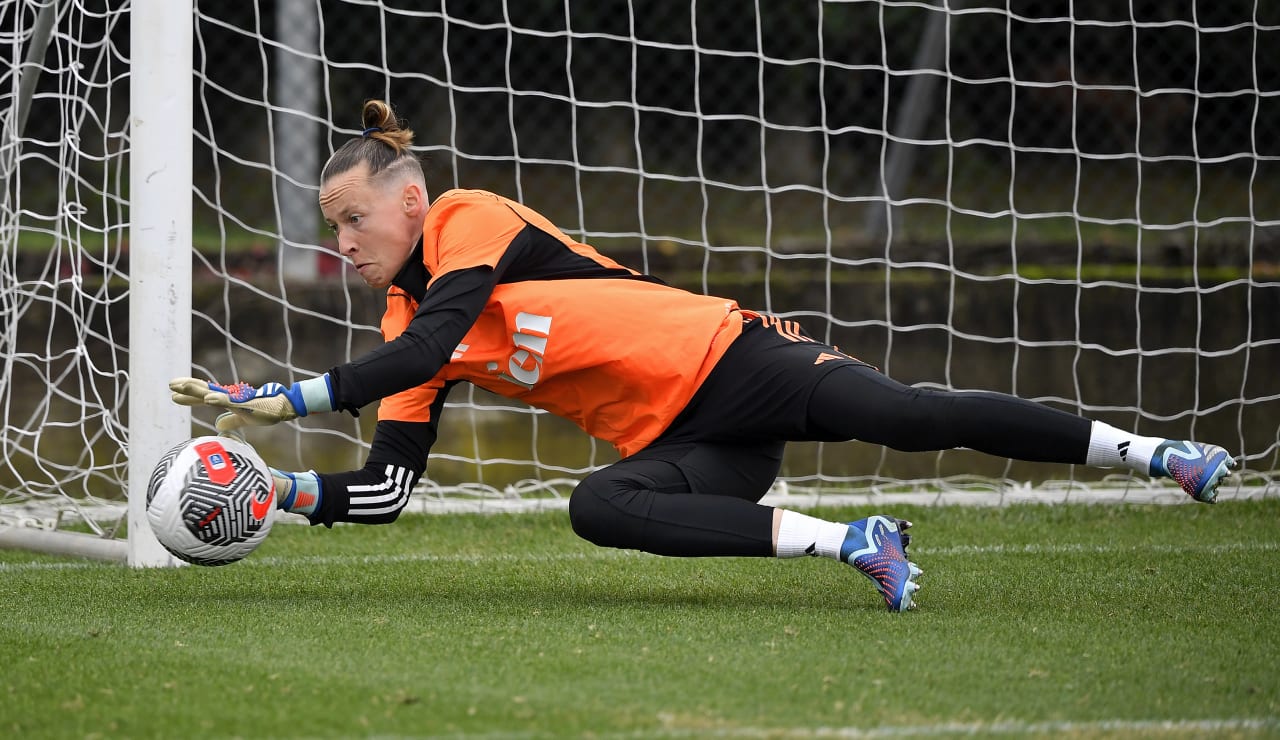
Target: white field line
point(917, 552)
point(798, 497)
point(46, 514)
point(1234, 726)
point(1231, 727)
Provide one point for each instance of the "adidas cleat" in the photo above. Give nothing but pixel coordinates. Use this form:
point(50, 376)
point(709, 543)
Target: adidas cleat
point(1198, 468)
point(877, 547)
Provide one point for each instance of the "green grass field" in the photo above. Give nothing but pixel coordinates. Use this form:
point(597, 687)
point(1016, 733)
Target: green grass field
point(1083, 621)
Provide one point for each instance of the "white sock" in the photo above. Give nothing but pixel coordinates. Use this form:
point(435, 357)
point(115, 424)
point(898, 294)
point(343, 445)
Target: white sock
point(800, 534)
point(1112, 448)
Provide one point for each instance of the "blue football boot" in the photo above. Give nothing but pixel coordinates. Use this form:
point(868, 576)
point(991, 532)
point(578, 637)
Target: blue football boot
point(1198, 468)
point(877, 547)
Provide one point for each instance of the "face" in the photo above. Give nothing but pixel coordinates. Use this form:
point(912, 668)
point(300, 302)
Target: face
point(377, 223)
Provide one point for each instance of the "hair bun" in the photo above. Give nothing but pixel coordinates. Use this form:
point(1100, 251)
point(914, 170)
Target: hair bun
point(381, 123)
point(383, 144)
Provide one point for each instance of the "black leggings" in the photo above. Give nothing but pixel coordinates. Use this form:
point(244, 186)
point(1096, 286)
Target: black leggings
point(698, 497)
point(857, 402)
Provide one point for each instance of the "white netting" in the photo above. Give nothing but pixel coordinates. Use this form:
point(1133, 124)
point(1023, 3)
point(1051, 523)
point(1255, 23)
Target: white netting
point(63, 281)
point(1073, 202)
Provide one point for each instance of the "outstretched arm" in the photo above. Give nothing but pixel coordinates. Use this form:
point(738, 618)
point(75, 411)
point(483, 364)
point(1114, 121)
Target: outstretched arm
point(448, 310)
point(374, 494)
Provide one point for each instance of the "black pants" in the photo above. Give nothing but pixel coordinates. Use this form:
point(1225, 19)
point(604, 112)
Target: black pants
point(694, 490)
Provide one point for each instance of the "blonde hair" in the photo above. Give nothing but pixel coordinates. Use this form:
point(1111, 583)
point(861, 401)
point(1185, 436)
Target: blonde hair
point(383, 145)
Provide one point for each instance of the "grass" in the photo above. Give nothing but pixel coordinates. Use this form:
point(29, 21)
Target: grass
point(1088, 621)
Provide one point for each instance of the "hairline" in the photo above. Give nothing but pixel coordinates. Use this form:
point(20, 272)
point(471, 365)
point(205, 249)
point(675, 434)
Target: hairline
point(404, 167)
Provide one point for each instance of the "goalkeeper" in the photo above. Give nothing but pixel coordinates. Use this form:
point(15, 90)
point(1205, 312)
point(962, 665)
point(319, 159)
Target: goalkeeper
point(698, 394)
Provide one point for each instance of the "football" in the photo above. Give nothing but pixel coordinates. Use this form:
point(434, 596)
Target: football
point(211, 500)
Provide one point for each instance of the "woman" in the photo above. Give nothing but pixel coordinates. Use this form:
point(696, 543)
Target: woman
point(698, 394)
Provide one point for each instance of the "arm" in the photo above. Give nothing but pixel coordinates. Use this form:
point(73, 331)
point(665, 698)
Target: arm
point(447, 311)
point(374, 494)
point(445, 315)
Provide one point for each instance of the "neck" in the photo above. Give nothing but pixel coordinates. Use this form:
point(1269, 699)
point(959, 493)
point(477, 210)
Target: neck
point(413, 276)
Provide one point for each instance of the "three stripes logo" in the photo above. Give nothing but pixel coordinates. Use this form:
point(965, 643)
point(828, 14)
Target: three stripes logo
point(788, 330)
point(791, 331)
point(1123, 449)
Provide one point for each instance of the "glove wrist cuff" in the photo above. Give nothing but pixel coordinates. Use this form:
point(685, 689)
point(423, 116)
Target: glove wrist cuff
point(317, 395)
point(297, 493)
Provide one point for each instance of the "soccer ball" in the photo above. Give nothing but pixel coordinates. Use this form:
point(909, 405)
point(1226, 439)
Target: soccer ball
point(211, 500)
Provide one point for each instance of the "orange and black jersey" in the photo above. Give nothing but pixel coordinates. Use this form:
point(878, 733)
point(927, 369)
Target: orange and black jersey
point(497, 296)
point(502, 299)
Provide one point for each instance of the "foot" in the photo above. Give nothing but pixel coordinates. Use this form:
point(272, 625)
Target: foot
point(1198, 468)
point(877, 547)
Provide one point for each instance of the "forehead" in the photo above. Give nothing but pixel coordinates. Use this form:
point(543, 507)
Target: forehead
point(344, 189)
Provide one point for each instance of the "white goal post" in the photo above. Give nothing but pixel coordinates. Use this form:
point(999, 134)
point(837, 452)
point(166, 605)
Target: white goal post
point(1075, 203)
point(87, 205)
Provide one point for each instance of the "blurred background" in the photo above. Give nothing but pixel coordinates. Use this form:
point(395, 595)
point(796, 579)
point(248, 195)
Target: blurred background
point(1077, 202)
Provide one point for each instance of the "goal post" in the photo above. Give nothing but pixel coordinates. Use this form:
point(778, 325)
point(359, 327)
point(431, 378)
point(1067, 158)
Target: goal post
point(1075, 203)
point(160, 137)
point(156, 139)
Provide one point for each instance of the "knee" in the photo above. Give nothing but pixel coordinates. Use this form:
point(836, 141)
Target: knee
point(590, 514)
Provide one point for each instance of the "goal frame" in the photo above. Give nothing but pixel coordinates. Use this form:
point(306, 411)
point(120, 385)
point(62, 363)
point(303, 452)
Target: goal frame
point(164, 142)
point(160, 215)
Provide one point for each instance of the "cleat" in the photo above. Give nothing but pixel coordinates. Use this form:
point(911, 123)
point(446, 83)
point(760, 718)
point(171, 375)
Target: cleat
point(1198, 468)
point(875, 547)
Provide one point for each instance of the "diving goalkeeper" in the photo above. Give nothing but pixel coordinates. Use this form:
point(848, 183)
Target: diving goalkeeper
point(698, 394)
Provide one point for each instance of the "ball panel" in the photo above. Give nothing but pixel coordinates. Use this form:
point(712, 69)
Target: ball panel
point(162, 468)
point(222, 509)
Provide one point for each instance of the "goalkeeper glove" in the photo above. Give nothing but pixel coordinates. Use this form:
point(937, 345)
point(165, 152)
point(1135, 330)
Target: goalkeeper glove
point(297, 493)
point(270, 404)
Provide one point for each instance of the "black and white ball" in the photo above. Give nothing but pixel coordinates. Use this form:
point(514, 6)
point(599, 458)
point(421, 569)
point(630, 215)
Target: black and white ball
point(211, 500)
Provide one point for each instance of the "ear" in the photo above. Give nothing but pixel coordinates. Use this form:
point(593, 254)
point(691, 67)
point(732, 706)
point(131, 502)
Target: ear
point(413, 200)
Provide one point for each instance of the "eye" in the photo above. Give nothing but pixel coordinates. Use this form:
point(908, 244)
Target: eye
point(331, 226)
point(354, 218)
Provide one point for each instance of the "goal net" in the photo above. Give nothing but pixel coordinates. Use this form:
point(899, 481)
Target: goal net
point(1077, 203)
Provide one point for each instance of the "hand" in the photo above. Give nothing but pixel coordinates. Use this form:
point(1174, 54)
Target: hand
point(255, 406)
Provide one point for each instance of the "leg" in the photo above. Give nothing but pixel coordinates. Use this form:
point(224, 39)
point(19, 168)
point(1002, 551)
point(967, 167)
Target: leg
point(690, 500)
point(854, 402)
point(697, 500)
point(858, 402)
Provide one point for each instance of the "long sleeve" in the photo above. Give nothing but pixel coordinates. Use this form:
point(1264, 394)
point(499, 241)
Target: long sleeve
point(445, 315)
point(376, 493)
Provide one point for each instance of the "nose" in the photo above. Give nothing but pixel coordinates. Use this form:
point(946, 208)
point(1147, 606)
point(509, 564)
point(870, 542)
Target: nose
point(346, 245)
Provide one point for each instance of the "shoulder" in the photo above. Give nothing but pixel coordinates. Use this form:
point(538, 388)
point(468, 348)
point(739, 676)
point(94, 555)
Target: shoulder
point(459, 198)
point(470, 210)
